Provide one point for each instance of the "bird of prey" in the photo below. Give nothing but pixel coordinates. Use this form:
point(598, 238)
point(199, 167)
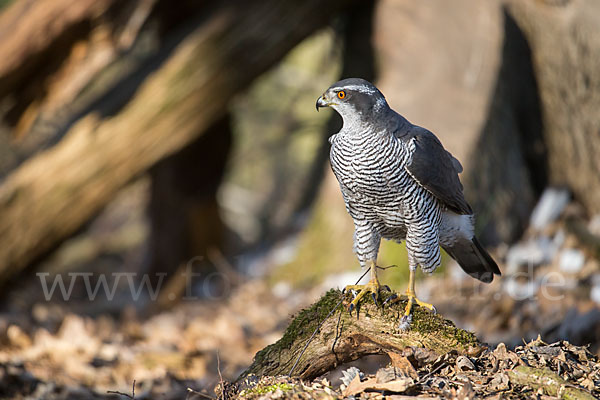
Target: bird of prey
point(399, 183)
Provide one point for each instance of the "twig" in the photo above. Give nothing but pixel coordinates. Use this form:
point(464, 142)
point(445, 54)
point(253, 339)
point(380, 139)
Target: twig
point(130, 396)
point(436, 369)
point(216, 257)
point(384, 268)
point(192, 391)
point(320, 325)
point(220, 376)
point(338, 334)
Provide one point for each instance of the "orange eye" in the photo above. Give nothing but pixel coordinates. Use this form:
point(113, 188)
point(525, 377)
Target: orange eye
point(341, 94)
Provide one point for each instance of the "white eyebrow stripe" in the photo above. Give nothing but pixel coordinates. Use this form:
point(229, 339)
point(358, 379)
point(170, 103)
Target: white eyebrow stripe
point(358, 88)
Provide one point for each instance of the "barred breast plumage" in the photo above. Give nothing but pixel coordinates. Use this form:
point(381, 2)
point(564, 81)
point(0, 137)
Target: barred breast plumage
point(382, 197)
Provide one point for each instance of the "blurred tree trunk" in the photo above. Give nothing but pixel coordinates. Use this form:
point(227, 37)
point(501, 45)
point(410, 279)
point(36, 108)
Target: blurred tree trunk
point(543, 127)
point(508, 165)
point(358, 60)
point(50, 196)
point(564, 37)
point(327, 239)
point(184, 213)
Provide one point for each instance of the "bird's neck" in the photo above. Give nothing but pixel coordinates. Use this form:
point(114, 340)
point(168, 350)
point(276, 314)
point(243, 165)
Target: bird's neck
point(376, 122)
point(355, 124)
point(367, 116)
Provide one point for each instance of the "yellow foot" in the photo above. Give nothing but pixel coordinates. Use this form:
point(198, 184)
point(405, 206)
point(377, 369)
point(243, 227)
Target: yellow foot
point(412, 299)
point(371, 287)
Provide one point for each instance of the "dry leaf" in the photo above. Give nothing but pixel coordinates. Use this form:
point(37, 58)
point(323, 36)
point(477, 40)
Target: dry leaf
point(466, 392)
point(464, 364)
point(353, 387)
point(398, 386)
point(403, 365)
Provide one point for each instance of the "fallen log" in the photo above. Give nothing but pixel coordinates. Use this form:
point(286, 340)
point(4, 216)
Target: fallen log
point(547, 381)
point(29, 27)
point(340, 337)
point(50, 196)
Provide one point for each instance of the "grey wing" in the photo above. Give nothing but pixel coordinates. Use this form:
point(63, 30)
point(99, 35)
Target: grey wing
point(436, 170)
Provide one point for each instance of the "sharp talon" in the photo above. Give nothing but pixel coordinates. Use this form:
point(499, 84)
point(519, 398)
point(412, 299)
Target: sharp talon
point(413, 300)
point(374, 296)
point(390, 298)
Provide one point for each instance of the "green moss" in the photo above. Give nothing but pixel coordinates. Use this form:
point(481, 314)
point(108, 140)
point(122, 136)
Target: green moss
point(304, 324)
point(308, 319)
point(423, 320)
point(545, 379)
point(260, 389)
point(426, 322)
point(463, 336)
point(5, 3)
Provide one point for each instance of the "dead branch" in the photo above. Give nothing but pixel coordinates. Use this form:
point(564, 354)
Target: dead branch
point(130, 396)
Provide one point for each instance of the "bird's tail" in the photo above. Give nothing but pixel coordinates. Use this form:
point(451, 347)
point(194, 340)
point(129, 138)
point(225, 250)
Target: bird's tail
point(473, 259)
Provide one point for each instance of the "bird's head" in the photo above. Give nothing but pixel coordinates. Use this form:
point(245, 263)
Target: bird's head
point(354, 99)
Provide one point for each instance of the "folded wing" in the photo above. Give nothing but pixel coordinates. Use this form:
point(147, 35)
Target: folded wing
point(436, 169)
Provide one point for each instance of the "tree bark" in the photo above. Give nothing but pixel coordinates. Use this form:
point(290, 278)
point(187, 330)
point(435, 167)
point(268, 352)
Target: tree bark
point(50, 196)
point(28, 28)
point(565, 46)
point(62, 58)
point(42, 41)
point(343, 337)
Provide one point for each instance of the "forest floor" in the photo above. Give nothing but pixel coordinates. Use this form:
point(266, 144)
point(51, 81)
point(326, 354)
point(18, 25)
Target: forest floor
point(194, 350)
point(82, 349)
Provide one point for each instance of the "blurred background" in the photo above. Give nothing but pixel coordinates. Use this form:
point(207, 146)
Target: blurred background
point(166, 202)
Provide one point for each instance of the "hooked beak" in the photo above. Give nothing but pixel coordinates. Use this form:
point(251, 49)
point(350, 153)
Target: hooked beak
point(321, 103)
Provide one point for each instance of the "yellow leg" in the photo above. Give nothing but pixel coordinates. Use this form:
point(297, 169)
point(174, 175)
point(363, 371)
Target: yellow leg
point(412, 296)
point(371, 287)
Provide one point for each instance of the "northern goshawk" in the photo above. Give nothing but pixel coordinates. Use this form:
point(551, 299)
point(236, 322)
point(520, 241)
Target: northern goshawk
point(399, 183)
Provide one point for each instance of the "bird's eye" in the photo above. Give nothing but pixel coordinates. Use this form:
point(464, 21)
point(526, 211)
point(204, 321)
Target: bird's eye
point(341, 94)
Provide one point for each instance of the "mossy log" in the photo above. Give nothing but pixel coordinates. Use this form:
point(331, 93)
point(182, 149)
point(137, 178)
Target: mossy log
point(345, 337)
